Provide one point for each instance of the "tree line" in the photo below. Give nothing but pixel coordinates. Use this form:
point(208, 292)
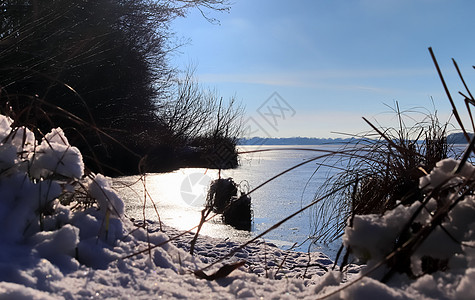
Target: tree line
point(99, 69)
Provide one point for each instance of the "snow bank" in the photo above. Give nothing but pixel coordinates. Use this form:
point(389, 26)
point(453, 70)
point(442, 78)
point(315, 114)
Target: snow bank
point(64, 235)
point(56, 222)
point(439, 239)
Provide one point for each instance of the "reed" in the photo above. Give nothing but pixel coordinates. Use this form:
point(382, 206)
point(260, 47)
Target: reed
point(380, 170)
point(437, 197)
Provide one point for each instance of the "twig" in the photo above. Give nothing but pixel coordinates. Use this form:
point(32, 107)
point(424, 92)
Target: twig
point(449, 96)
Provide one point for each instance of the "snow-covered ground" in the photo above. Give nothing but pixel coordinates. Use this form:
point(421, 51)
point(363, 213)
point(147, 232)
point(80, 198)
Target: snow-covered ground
point(64, 235)
point(165, 273)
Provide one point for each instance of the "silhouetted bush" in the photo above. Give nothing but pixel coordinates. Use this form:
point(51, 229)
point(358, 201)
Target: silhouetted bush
point(223, 198)
point(105, 64)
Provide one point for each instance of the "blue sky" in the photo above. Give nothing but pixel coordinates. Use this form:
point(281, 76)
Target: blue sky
point(331, 62)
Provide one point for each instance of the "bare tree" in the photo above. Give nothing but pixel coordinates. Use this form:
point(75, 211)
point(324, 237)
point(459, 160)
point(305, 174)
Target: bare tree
point(227, 122)
point(199, 113)
point(188, 113)
point(105, 61)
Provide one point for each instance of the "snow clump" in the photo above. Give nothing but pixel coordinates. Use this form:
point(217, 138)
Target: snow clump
point(430, 243)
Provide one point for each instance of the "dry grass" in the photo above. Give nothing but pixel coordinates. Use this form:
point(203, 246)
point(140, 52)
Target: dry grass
point(381, 169)
point(407, 159)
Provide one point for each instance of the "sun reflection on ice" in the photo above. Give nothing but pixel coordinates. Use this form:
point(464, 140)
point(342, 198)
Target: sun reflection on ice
point(179, 196)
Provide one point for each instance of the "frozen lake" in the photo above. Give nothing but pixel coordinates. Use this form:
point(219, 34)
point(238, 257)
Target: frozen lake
point(179, 196)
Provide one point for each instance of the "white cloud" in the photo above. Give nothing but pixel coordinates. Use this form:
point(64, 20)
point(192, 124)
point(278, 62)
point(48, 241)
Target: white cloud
point(239, 24)
point(322, 79)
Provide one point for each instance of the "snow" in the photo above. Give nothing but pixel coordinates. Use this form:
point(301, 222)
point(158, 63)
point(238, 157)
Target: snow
point(65, 235)
point(55, 156)
point(100, 188)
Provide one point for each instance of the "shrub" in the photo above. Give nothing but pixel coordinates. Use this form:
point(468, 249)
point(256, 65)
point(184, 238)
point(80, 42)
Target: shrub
point(223, 198)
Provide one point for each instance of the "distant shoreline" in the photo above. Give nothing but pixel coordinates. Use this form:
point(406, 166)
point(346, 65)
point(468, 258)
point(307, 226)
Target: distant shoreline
point(294, 141)
point(454, 138)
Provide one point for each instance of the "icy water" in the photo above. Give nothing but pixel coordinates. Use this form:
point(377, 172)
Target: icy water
point(179, 196)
